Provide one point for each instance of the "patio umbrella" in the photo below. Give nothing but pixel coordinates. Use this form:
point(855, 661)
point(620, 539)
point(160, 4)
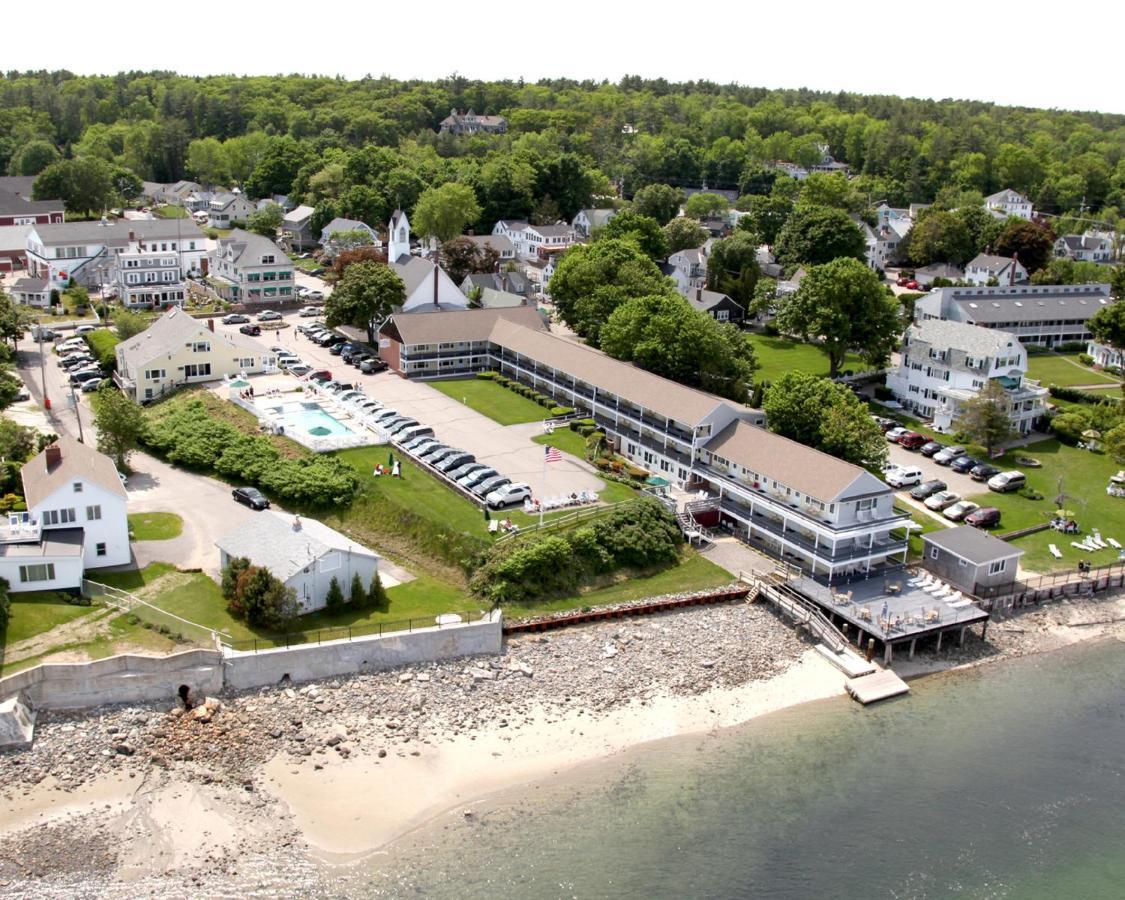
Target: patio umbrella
point(319, 431)
point(1092, 434)
point(657, 481)
point(390, 460)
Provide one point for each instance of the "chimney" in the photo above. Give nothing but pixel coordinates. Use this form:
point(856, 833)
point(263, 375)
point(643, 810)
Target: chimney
point(211, 324)
point(1012, 275)
point(54, 456)
point(436, 270)
point(699, 295)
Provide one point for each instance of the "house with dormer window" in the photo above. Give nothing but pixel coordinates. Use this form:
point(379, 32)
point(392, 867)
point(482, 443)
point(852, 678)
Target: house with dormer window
point(249, 269)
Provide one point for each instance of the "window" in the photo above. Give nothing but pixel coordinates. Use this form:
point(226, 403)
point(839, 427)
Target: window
point(246, 362)
point(201, 347)
point(93, 513)
point(154, 374)
point(58, 516)
point(869, 503)
point(99, 549)
point(933, 553)
point(78, 487)
point(995, 568)
point(267, 259)
point(197, 371)
point(40, 572)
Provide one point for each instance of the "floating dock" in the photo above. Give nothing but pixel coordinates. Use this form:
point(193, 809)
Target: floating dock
point(877, 686)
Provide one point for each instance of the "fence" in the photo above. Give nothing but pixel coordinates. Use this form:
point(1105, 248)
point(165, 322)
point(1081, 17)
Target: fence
point(349, 632)
point(1050, 587)
point(163, 621)
point(562, 522)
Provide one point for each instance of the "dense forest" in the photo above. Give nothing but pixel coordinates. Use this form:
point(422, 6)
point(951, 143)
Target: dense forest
point(360, 148)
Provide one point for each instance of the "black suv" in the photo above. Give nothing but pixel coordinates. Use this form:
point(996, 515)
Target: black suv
point(372, 365)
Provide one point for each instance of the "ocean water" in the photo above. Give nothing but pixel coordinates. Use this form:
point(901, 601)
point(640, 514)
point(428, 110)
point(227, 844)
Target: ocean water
point(1004, 782)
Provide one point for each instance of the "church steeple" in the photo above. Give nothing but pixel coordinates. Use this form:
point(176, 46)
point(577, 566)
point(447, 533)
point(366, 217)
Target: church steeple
point(398, 236)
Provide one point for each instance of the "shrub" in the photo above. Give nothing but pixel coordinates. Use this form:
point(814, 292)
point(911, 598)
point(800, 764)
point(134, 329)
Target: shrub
point(5, 604)
point(1074, 395)
point(260, 598)
point(1029, 493)
point(488, 376)
point(586, 430)
point(377, 595)
point(334, 599)
point(576, 424)
point(357, 595)
point(1071, 347)
point(502, 380)
point(561, 410)
point(882, 392)
point(1086, 359)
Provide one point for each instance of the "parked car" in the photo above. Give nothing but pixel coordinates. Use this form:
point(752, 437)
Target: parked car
point(436, 456)
point(983, 472)
point(946, 456)
point(508, 494)
point(78, 378)
point(347, 351)
point(422, 447)
point(234, 319)
point(928, 489)
point(912, 440)
point(895, 433)
point(85, 329)
point(466, 469)
point(486, 487)
point(300, 370)
point(356, 359)
point(270, 315)
point(251, 496)
point(453, 461)
point(314, 295)
point(398, 423)
point(942, 499)
point(321, 376)
point(413, 432)
point(252, 330)
point(905, 477)
point(338, 348)
point(338, 387)
point(351, 396)
point(331, 339)
point(1007, 481)
point(383, 415)
point(22, 394)
point(371, 365)
point(985, 517)
point(308, 328)
point(474, 478)
point(958, 511)
point(308, 312)
point(439, 449)
point(884, 423)
point(77, 361)
point(317, 272)
point(964, 464)
point(930, 448)
point(289, 362)
point(90, 385)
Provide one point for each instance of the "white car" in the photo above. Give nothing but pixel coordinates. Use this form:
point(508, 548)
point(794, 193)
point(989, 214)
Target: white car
point(907, 476)
point(942, 499)
point(84, 329)
point(508, 494)
point(314, 295)
point(895, 433)
point(309, 312)
point(958, 511)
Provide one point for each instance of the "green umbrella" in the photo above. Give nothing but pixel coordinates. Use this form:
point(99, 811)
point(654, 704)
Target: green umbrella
point(319, 431)
point(657, 481)
point(487, 517)
point(390, 460)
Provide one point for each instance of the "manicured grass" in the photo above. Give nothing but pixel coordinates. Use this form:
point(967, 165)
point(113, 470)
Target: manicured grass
point(155, 526)
point(305, 265)
point(565, 440)
point(38, 612)
point(133, 579)
point(1085, 476)
point(1065, 370)
point(170, 212)
point(778, 355)
point(694, 573)
point(492, 400)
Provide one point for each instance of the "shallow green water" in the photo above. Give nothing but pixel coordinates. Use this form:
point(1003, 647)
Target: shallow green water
point(1008, 781)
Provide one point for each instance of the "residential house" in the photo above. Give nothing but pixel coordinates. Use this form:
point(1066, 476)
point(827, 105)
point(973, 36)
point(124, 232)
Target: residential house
point(1084, 248)
point(32, 292)
point(177, 349)
point(987, 269)
point(428, 287)
point(228, 210)
point(1007, 203)
point(926, 275)
point(17, 210)
point(717, 305)
point(75, 520)
point(971, 560)
point(1045, 314)
point(13, 247)
point(689, 269)
point(945, 364)
point(884, 240)
point(303, 554)
point(86, 251)
point(768, 263)
point(20, 185)
point(783, 497)
point(250, 269)
point(145, 276)
point(462, 123)
point(535, 241)
point(338, 225)
point(198, 201)
point(296, 228)
point(586, 220)
point(508, 282)
point(491, 298)
point(505, 249)
point(1104, 355)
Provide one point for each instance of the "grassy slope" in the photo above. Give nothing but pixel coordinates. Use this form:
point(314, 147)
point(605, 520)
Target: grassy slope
point(777, 355)
point(36, 612)
point(492, 400)
point(1065, 370)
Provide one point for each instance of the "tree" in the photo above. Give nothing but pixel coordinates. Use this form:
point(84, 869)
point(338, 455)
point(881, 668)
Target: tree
point(658, 201)
point(208, 160)
point(346, 258)
point(334, 599)
point(277, 167)
point(705, 205)
point(843, 305)
point(266, 220)
point(443, 212)
point(367, 292)
point(732, 267)
point(765, 216)
point(683, 233)
point(1107, 325)
point(357, 595)
point(939, 236)
point(85, 185)
point(643, 230)
point(666, 335)
point(592, 280)
point(462, 256)
point(1033, 244)
point(984, 418)
point(377, 594)
point(32, 158)
point(126, 185)
point(258, 597)
point(819, 413)
point(119, 423)
point(1114, 441)
point(14, 319)
point(817, 234)
point(17, 442)
point(128, 324)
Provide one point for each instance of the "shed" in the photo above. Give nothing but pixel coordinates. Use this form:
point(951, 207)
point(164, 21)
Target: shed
point(971, 559)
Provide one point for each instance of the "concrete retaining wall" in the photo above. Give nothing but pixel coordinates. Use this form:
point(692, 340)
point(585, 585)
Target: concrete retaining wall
point(117, 679)
point(371, 654)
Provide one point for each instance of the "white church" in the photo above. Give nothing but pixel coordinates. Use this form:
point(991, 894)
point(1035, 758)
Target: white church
point(428, 287)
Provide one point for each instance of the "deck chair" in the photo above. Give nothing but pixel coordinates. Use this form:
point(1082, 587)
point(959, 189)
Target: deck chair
point(493, 526)
point(1055, 551)
point(1114, 544)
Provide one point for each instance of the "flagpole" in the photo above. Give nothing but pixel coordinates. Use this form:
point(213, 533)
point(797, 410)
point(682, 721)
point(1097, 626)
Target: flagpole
point(546, 450)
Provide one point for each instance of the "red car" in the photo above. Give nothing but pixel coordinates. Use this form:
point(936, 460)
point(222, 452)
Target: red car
point(985, 517)
point(912, 440)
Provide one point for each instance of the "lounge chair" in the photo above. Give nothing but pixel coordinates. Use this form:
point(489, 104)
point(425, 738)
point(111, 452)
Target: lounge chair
point(493, 526)
point(1080, 546)
point(1055, 551)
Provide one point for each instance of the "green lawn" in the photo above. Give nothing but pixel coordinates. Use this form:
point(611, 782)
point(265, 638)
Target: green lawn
point(36, 612)
point(565, 440)
point(1065, 370)
point(305, 265)
point(133, 579)
point(492, 400)
point(778, 355)
point(170, 212)
point(102, 342)
point(155, 526)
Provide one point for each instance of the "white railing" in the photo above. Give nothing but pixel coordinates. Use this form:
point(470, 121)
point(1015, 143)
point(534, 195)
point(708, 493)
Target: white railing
point(166, 621)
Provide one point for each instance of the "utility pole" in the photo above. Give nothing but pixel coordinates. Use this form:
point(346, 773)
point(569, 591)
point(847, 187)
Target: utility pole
point(77, 414)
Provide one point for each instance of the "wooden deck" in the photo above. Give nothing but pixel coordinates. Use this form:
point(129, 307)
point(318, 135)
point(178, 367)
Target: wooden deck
point(877, 686)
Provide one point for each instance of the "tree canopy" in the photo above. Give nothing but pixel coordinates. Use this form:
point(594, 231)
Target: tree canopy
point(683, 233)
point(818, 234)
point(732, 267)
point(443, 212)
point(367, 292)
point(1107, 325)
point(658, 201)
point(643, 230)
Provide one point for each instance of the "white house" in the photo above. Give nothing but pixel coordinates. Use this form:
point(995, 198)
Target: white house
point(984, 268)
point(1009, 203)
point(947, 363)
point(338, 225)
point(587, 220)
point(1105, 355)
point(688, 268)
point(225, 210)
point(1084, 248)
point(303, 554)
point(178, 349)
point(296, 228)
point(428, 286)
point(884, 240)
point(147, 277)
point(504, 248)
point(75, 520)
point(533, 241)
point(251, 269)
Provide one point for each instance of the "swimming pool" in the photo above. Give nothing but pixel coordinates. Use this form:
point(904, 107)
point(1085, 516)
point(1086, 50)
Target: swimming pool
point(305, 419)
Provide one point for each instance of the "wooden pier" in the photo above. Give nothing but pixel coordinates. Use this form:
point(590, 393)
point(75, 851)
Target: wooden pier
point(879, 685)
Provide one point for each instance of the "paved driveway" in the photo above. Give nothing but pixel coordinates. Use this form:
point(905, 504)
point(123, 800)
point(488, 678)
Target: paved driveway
point(962, 484)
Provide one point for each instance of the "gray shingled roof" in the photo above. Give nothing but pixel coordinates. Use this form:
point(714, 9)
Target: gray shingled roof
point(171, 331)
point(944, 334)
point(242, 242)
point(994, 265)
point(271, 540)
point(971, 544)
point(118, 231)
point(1030, 304)
point(13, 205)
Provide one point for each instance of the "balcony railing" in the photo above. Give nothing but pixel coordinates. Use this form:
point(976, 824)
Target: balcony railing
point(20, 529)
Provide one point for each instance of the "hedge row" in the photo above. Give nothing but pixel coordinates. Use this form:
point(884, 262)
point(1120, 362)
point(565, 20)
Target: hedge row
point(1074, 395)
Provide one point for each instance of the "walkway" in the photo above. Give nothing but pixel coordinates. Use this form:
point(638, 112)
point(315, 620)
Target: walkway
point(731, 554)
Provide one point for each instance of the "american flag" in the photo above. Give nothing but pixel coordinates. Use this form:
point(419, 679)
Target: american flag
point(552, 454)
